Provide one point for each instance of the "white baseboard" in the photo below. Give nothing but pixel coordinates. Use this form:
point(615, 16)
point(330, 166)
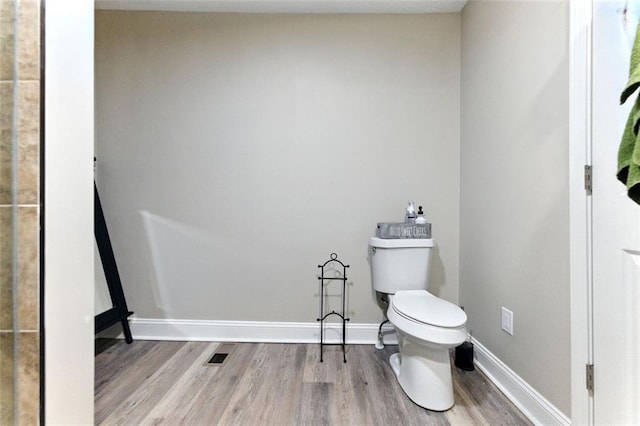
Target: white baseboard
point(255, 331)
point(533, 405)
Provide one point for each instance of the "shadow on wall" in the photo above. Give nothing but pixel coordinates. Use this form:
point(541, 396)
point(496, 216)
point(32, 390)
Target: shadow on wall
point(198, 274)
point(183, 258)
point(437, 277)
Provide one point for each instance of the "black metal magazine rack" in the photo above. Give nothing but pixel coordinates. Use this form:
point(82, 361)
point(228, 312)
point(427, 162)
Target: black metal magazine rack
point(324, 280)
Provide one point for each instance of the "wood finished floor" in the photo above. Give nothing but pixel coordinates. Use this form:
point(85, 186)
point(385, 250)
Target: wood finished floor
point(168, 383)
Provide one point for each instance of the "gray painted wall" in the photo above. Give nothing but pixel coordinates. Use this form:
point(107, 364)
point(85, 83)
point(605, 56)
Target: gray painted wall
point(236, 152)
point(514, 222)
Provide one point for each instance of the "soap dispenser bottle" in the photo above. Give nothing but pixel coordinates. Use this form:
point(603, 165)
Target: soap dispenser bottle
point(410, 214)
point(420, 219)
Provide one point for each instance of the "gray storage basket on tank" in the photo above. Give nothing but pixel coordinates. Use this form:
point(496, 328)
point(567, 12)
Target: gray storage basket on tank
point(391, 230)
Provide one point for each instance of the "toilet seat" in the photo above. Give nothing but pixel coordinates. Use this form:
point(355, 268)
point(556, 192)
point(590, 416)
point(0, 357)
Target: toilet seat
point(409, 313)
point(423, 307)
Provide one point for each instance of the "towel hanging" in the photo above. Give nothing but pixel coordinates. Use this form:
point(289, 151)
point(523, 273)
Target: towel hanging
point(629, 151)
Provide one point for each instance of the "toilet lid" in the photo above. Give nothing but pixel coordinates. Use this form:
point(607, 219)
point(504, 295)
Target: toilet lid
point(421, 306)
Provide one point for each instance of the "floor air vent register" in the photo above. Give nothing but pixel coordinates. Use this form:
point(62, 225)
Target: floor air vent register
point(221, 355)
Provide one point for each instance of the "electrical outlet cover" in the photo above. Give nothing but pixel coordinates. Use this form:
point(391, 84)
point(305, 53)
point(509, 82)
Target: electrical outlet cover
point(507, 321)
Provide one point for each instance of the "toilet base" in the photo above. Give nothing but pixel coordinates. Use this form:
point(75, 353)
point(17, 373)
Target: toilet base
point(424, 374)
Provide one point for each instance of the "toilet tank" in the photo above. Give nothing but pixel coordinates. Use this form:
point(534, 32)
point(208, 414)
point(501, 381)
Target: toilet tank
point(400, 264)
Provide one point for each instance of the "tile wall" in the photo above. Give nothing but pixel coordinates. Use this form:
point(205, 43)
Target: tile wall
point(19, 212)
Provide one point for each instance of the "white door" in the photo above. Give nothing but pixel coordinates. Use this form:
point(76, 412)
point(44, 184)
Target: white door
point(616, 225)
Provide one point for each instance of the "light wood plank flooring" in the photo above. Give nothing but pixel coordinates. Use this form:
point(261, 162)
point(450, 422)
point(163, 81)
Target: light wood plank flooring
point(169, 383)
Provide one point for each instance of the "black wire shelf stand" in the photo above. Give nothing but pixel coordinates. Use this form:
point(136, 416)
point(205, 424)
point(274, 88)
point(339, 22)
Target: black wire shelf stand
point(333, 264)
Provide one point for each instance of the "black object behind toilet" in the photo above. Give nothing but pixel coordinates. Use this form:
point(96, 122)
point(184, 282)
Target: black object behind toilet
point(464, 357)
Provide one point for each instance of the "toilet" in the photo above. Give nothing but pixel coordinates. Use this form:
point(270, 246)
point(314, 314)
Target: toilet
point(426, 326)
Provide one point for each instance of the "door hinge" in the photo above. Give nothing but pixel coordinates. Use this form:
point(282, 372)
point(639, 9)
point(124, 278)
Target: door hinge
point(589, 372)
point(588, 179)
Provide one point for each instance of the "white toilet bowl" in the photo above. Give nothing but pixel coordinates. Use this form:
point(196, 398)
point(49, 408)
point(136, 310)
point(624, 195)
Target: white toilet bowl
point(427, 328)
point(426, 325)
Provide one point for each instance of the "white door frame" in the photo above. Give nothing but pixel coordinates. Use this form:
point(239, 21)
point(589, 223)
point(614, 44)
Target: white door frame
point(581, 282)
point(68, 213)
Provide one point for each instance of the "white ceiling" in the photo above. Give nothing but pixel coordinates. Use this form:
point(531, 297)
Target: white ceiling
point(288, 6)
